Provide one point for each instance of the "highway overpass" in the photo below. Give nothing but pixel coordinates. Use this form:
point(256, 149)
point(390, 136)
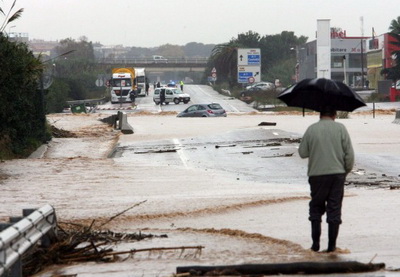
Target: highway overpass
point(173, 69)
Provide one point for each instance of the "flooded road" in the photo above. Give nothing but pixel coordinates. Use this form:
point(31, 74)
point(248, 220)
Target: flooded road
point(254, 154)
point(236, 188)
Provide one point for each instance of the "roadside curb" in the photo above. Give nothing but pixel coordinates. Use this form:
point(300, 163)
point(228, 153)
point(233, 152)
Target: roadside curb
point(39, 153)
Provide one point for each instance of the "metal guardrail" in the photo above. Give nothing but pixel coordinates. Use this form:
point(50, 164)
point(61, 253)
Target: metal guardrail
point(151, 61)
point(21, 236)
point(87, 101)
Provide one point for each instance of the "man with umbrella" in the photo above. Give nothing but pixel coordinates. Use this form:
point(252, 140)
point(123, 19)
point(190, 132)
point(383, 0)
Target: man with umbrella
point(327, 146)
point(330, 154)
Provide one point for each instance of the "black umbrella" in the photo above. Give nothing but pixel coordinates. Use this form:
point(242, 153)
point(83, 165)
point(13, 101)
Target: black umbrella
point(315, 94)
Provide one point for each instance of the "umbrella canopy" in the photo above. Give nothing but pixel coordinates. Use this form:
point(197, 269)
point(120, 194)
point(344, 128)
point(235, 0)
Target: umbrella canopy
point(315, 94)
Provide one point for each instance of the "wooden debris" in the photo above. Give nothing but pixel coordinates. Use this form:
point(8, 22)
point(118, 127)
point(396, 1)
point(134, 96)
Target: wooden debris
point(228, 145)
point(278, 269)
point(279, 156)
point(80, 243)
point(158, 151)
point(124, 211)
point(264, 145)
point(267, 124)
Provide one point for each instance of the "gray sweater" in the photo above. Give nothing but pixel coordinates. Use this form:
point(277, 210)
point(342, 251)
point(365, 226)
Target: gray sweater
point(327, 146)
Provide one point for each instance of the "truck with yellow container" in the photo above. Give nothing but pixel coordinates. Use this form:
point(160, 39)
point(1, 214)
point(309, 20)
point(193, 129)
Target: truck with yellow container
point(122, 84)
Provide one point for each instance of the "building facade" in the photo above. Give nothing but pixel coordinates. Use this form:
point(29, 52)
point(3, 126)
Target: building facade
point(379, 57)
point(348, 60)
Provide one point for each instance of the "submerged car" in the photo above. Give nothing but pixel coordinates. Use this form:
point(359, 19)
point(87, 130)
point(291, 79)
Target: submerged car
point(171, 95)
point(203, 110)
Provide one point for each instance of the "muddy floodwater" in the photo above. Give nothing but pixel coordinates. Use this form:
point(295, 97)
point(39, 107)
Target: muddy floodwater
point(213, 190)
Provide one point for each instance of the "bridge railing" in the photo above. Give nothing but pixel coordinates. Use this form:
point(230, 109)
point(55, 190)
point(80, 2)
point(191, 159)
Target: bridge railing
point(151, 61)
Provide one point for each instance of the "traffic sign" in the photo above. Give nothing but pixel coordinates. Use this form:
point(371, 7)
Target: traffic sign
point(213, 70)
point(249, 74)
point(99, 82)
point(214, 75)
point(248, 56)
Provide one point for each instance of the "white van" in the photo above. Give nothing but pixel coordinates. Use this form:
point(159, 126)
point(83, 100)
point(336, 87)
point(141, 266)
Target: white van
point(171, 95)
point(159, 59)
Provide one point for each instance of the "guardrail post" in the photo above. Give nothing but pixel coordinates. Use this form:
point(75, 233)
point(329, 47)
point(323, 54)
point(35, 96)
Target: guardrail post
point(48, 238)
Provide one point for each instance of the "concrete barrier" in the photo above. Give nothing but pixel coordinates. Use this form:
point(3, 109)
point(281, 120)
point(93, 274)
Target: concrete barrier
point(123, 123)
point(397, 118)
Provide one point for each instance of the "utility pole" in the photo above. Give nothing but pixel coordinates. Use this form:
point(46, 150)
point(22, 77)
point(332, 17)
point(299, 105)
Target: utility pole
point(362, 51)
point(344, 69)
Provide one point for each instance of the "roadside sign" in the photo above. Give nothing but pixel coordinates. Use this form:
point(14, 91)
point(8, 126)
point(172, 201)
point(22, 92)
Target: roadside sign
point(213, 70)
point(99, 82)
point(248, 56)
point(214, 75)
point(249, 74)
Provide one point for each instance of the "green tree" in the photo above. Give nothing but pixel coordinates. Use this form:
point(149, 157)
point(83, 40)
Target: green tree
point(224, 59)
point(249, 39)
point(395, 26)
point(276, 51)
point(22, 117)
point(283, 71)
point(57, 96)
point(169, 50)
point(77, 69)
point(195, 49)
point(278, 48)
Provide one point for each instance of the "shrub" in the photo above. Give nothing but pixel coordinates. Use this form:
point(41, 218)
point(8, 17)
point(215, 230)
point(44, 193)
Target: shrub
point(22, 115)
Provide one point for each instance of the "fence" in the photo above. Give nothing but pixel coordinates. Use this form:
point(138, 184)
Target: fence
point(16, 239)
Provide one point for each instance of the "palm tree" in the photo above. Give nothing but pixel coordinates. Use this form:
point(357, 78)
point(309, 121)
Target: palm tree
point(395, 26)
point(393, 73)
point(8, 17)
point(224, 59)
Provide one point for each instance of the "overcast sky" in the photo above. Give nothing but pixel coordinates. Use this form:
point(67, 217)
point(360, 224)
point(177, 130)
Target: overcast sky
point(150, 23)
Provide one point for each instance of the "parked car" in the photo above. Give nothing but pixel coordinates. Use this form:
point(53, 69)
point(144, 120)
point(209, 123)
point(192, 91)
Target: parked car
point(203, 110)
point(262, 86)
point(159, 59)
point(250, 91)
point(171, 95)
point(171, 85)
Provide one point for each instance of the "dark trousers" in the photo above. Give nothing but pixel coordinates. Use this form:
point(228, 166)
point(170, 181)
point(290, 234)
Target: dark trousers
point(327, 196)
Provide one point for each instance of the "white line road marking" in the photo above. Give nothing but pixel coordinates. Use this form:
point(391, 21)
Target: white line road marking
point(232, 107)
point(181, 153)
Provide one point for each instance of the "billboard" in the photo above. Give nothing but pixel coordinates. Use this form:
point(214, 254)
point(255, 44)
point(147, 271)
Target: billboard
point(323, 48)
